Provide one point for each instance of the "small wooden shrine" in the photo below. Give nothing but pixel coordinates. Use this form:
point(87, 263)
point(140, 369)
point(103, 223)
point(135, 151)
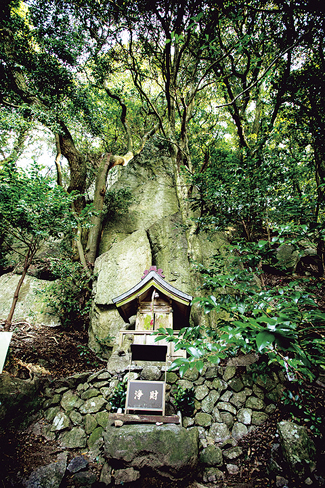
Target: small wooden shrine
point(155, 303)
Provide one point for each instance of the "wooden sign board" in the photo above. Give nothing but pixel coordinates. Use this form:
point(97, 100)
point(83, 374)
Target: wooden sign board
point(5, 338)
point(146, 396)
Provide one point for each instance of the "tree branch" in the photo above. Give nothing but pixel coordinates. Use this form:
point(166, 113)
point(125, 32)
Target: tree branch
point(123, 116)
point(57, 160)
point(263, 74)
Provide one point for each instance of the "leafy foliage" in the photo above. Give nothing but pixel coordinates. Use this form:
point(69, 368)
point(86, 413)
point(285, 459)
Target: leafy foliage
point(283, 322)
point(33, 210)
point(32, 207)
point(84, 351)
point(299, 401)
point(255, 198)
point(118, 398)
point(69, 296)
point(184, 400)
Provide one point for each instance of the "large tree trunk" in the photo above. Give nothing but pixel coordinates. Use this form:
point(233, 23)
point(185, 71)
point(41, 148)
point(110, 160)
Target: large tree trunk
point(18, 147)
point(100, 190)
point(319, 146)
point(77, 165)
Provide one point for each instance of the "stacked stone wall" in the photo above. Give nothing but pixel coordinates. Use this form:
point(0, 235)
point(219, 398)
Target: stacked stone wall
point(230, 402)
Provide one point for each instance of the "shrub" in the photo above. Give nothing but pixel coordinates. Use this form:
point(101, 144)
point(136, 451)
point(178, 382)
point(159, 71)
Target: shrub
point(69, 297)
point(184, 400)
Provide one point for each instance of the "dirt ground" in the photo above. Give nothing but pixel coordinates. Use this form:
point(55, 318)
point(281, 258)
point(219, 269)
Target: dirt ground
point(58, 352)
point(61, 353)
point(55, 353)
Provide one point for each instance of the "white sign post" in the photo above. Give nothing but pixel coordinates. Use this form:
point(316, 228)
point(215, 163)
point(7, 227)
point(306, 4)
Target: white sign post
point(5, 338)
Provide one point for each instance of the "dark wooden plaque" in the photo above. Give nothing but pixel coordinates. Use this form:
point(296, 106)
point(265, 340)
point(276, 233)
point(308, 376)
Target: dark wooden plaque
point(145, 396)
point(146, 352)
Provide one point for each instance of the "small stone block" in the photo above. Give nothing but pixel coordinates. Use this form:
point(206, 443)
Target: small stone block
point(77, 464)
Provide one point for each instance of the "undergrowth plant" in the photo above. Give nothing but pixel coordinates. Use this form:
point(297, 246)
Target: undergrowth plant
point(118, 398)
point(69, 296)
point(300, 402)
point(284, 322)
point(184, 400)
point(87, 354)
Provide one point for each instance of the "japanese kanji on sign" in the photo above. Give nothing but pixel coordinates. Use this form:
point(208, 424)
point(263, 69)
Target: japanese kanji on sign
point(146, 396)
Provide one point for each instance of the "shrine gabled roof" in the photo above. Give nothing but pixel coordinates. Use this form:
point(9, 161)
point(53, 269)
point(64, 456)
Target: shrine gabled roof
point(127, 303)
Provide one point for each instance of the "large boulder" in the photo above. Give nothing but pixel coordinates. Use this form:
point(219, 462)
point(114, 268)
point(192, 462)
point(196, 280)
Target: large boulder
point(167, 450)
point(169, 247)
point(17, 397)
point(150, 178)
point(121, 267)
point(49, 476)
point(116, 272)
point(298, 449)
point(153, 231)
point(30, 306)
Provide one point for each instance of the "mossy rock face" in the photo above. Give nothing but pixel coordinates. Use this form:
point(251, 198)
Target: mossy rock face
point(51, 475)
point(90, 423)
point(212, 456)
point(17, 397)
point(74, 438)
point(287, 256)
point(60, 422)
point(298, 449)
point(168, 450)
point(94, 436)
point(170, 248)
point(30, 305)
point(68, 401)
point(203, 419)
point(150, 178)
point(93, 405)
point(121, 267)
point(152, 231)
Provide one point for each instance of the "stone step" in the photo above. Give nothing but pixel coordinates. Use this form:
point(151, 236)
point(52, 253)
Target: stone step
point(128, 418)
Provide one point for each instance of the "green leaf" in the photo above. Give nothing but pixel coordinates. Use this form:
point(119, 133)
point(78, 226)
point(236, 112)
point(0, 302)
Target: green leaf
point(214, 359)
point(262, 243)
point(160, 338)
point(179, 361)
point(199, 366)
point(196, 353)
point(183, 369)
point(161, 330)
point(264, 339)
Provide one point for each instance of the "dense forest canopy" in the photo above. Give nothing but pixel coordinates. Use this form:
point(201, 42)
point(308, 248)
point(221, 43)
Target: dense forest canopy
point(235, 90)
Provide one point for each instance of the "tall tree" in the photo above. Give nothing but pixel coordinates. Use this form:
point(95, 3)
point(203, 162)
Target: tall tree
point(32, 211)
point(78, 65)
point(39, 65)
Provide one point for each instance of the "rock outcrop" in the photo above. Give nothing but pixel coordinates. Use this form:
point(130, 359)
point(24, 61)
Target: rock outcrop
point(17, 396)
point(167, 450)
point(298, 449)
point(30, 306)
point(152, 232)
point(49, 476)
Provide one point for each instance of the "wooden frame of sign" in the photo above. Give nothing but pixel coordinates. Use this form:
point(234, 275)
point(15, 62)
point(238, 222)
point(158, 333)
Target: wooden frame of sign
point(5, 338)
point(148, 396)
